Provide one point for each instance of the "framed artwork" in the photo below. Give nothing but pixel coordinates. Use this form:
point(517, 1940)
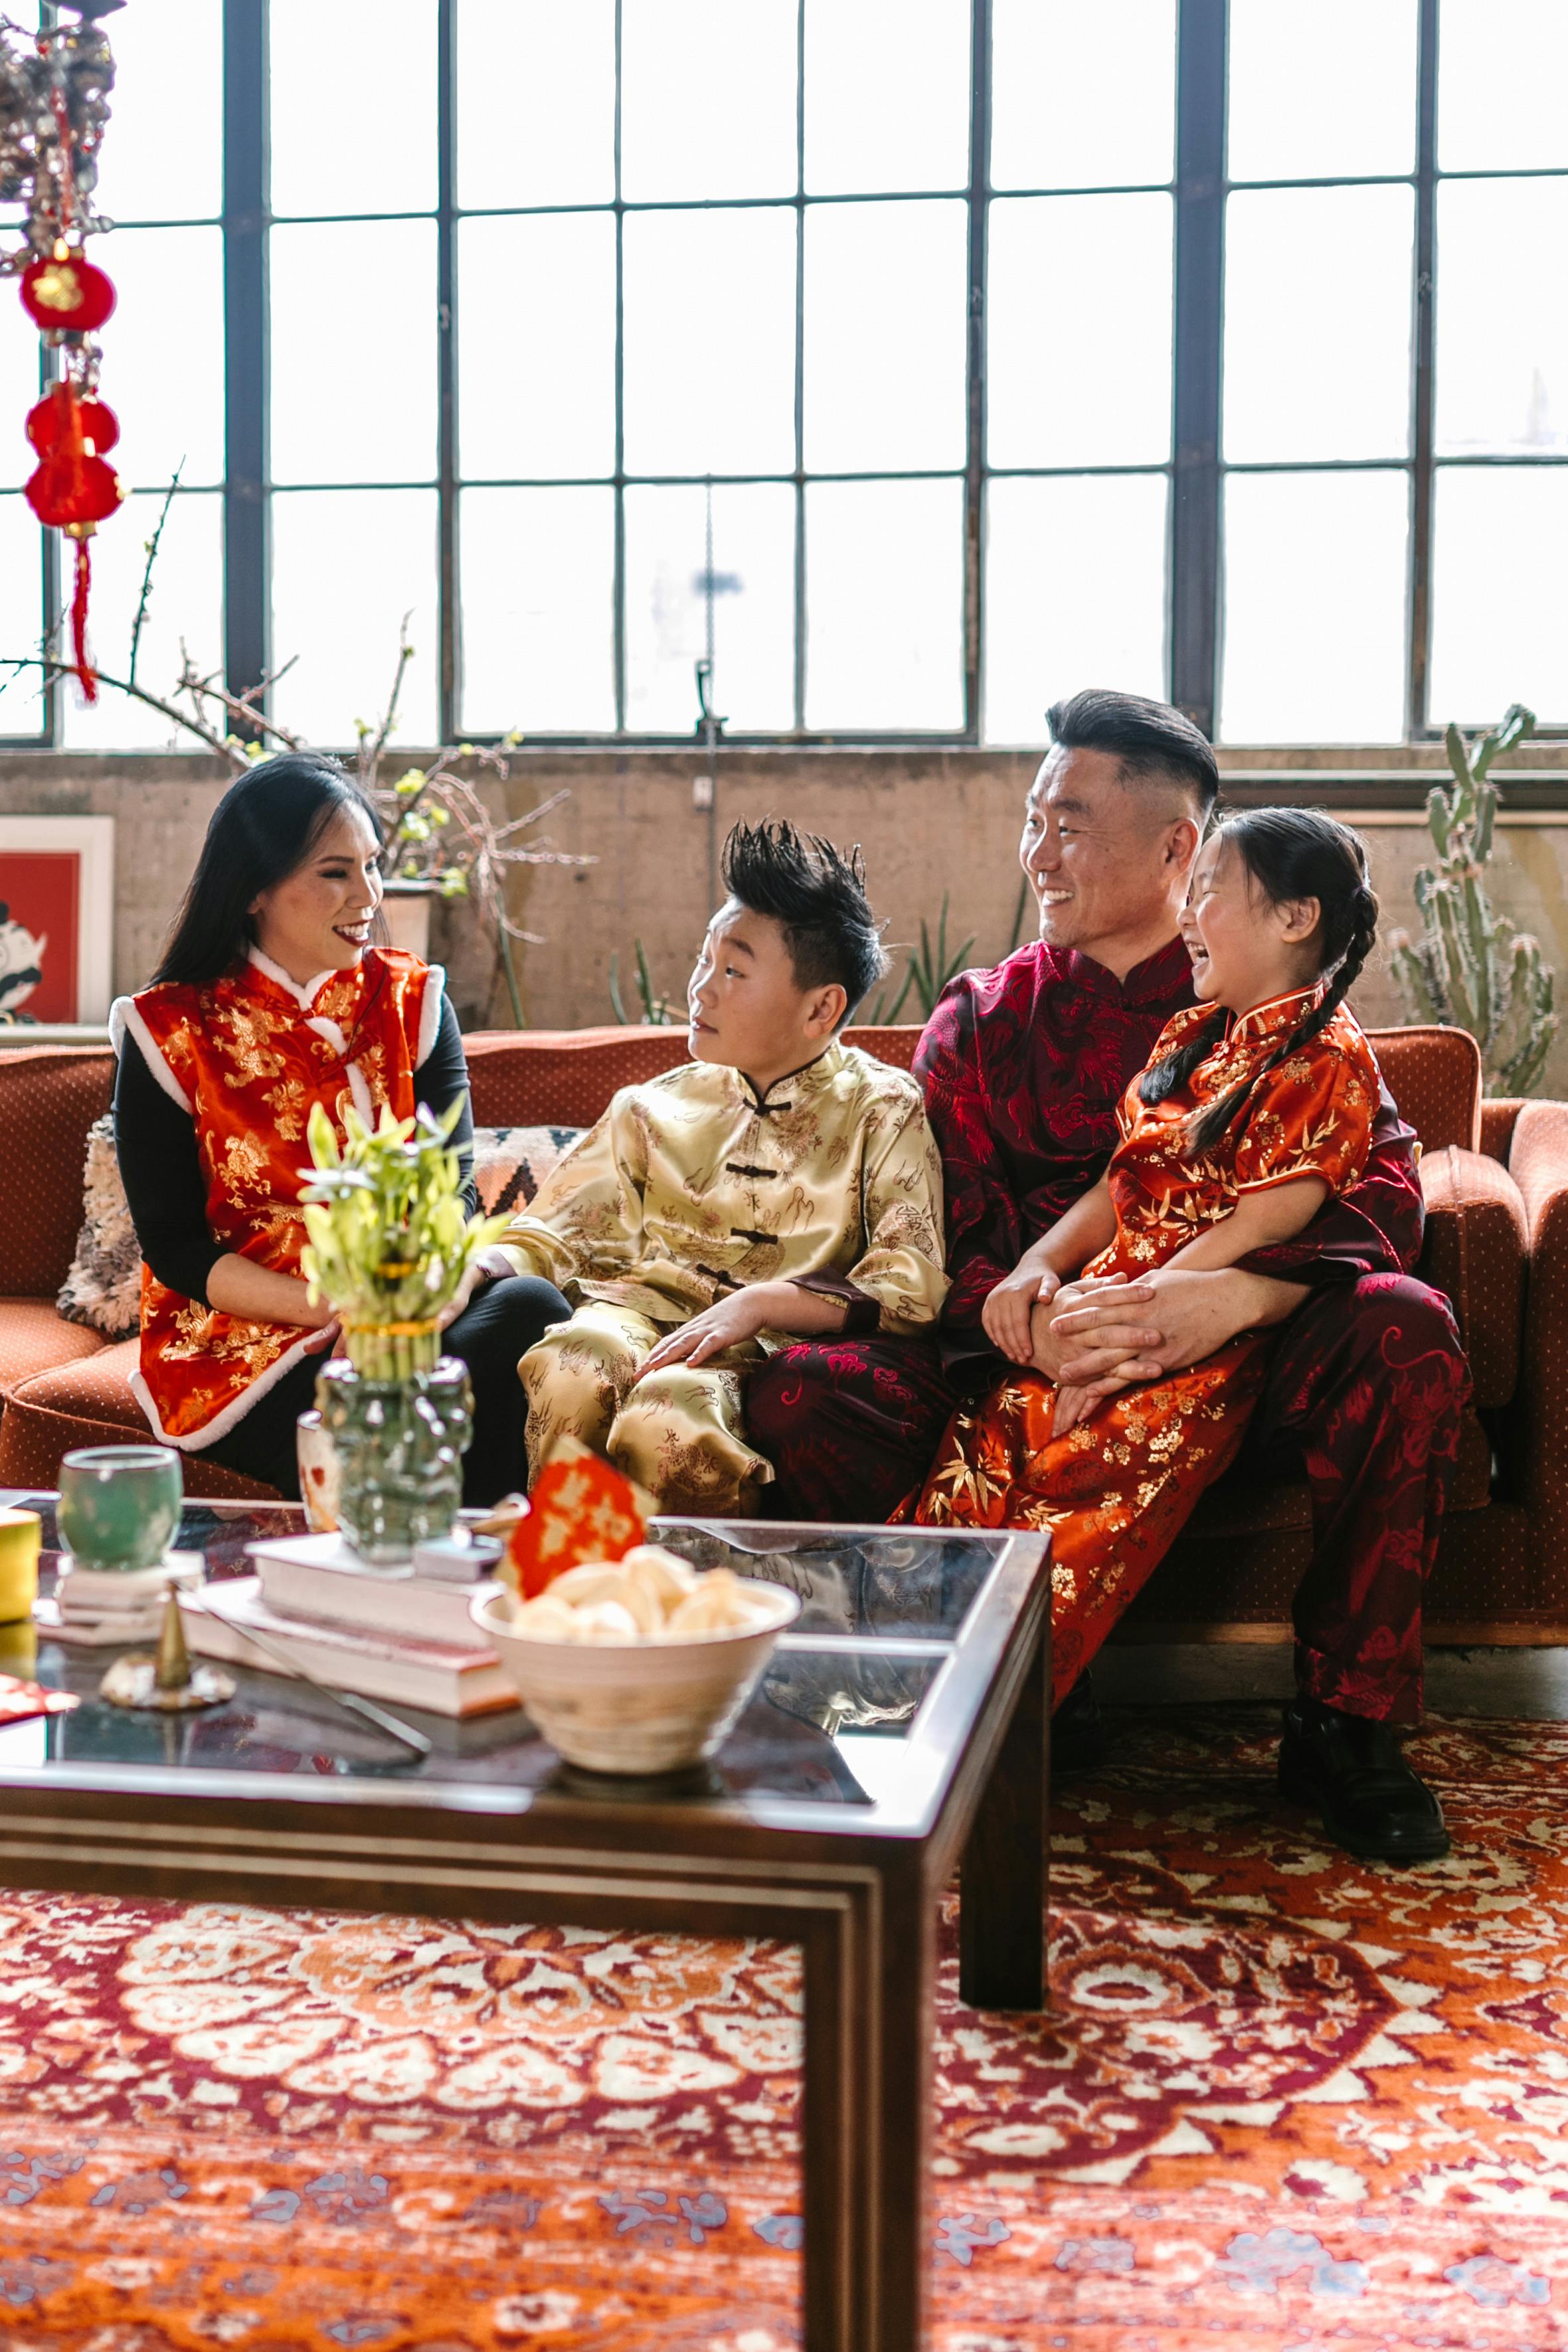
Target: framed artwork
point(56, 919)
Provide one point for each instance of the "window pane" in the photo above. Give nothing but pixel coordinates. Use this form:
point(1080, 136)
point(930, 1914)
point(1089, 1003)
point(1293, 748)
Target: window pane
point(352, 97)
point(885, 606)
point(19, 390)
point(1499, 594)
point(1099, 394)
point(753, 606)
point(1046, 55)
point(709, 336)
point(186, 603)
point(536, 324)
point(538, 573)
point(1317, 324)
point(708, 99)
point(1503, 66)
point(161, 46)
point(21, 615)
point(347, 565)
point(1314, 608)
point(1325, 92)
point(886, 315)
point(166, 390)
point(536, 102)
point(332, 422)
point(1075, 594)
point(1502, 345)
point(887, 95)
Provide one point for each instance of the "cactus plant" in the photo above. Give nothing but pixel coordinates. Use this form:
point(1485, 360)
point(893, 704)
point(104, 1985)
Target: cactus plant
point(1470, 969)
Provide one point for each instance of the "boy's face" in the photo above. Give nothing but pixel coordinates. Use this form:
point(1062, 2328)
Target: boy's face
point(745, 1004)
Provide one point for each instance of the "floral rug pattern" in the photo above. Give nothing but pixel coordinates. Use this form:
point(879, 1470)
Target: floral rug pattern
point(1279, 2096)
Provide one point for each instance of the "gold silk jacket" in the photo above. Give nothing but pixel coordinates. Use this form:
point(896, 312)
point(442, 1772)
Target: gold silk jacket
point(693, 1185)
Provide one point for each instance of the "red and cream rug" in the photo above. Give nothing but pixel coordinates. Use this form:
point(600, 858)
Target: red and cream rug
point(1280, 2098)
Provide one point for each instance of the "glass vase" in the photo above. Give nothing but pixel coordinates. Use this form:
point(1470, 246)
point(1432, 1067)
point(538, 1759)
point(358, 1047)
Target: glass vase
point(400, 1443)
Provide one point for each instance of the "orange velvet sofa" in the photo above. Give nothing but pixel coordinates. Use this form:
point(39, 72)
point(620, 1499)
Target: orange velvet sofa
point(1496, 1180)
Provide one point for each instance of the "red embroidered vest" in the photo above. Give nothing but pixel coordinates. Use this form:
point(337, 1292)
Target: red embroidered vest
point(248, 1060)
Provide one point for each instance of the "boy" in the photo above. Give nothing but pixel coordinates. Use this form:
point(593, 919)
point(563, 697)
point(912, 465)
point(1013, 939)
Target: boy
point(780, 1183)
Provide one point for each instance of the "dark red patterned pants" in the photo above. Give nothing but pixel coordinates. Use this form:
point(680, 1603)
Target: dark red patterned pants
point(1365, 1396)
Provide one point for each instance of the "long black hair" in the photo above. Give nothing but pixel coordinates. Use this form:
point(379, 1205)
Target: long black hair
point(265, 825)
point(1289, 853)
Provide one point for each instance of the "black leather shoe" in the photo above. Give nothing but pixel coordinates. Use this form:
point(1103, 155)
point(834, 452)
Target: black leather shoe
point(1353, 1773)
point(1078, 1738)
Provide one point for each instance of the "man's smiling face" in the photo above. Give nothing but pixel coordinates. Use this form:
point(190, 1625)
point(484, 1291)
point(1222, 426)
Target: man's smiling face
point(1106, 856)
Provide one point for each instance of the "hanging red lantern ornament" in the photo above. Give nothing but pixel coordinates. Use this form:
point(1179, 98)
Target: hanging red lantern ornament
point(74, 490)
point(66, 294)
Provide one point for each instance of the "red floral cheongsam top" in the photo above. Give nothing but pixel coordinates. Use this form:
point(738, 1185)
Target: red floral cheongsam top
point(1310, 1115)
point(247, 1056)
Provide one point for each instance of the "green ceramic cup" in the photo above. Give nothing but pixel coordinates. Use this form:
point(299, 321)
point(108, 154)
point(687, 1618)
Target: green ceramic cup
point(119, 1505)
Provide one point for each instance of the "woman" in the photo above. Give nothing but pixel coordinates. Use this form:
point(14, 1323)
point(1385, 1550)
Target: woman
point(270, 998)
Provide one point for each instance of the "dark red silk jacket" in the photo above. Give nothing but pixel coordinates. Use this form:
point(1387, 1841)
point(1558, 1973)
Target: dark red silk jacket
point(1023, 1066)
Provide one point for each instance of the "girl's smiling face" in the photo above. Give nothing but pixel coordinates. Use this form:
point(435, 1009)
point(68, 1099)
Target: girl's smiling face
point(1246, 948)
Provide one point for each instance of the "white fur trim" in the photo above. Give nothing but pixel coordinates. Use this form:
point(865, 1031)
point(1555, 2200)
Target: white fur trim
point(233, 1413)
point(359, 1087)
point(304, 997)
point(124, 1020)
point(430, 1014)
point(331, 1031)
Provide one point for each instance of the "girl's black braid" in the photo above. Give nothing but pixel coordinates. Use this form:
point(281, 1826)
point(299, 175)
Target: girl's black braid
point(1205, 1130)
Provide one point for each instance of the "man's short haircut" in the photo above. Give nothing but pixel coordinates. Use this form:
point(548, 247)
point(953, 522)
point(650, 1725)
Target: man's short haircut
point(1149, 738)
point(817, 895)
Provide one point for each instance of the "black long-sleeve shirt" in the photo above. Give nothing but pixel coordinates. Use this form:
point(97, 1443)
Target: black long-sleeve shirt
point(160, 1164)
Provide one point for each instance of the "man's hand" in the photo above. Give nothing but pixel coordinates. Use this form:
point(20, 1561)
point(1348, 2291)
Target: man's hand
point(1007, 1314)
point(1139, 1331)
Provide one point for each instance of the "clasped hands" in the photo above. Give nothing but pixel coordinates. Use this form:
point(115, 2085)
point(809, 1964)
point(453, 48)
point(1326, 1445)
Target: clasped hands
point(1102, 1333)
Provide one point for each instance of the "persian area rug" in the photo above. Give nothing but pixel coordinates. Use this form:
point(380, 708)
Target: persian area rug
point(1280, 2098)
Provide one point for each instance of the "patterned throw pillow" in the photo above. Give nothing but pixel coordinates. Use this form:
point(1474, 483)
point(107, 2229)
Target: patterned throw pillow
point(103, 1289)
point(510, 1164)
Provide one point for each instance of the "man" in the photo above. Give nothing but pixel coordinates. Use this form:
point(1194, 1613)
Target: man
point(1022, 1067)
point(778, 1184)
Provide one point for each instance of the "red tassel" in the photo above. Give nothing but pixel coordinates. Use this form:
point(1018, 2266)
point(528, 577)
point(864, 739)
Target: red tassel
point(86, 674)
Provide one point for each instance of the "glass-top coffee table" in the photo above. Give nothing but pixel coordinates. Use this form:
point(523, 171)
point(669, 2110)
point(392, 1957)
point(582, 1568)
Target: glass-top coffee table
point(899, 1732)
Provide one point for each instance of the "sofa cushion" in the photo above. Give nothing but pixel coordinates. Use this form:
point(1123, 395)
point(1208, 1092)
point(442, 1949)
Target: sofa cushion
point(510, 1164)
point(49, 1097)
point(1476, 1253)
point(89, 1404)
point(35, 1338)
point(521, 1077)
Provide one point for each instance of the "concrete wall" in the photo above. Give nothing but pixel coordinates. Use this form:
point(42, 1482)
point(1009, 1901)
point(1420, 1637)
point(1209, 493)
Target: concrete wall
point(930, 822)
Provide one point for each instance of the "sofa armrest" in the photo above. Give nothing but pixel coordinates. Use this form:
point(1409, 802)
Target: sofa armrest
point(1500, 1116)
point(1476, 1251)
point(1539, 1162)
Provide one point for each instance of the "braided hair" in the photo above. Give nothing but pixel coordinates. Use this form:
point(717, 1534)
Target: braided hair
point(1289, 853)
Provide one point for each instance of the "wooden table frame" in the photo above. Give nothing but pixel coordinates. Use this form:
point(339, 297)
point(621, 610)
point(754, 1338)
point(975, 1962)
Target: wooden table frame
point(861, 1900)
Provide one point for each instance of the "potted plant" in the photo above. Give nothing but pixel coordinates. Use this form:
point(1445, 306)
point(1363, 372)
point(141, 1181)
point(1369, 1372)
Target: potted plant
point(391, 1247)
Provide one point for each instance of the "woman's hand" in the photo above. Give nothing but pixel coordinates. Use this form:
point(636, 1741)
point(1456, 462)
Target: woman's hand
point(1009, 1311)
point(727, 1323)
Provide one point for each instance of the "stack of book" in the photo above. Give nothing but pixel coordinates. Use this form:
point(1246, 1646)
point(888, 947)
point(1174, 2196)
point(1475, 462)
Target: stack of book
point(406, 1638)
point(97, 1607)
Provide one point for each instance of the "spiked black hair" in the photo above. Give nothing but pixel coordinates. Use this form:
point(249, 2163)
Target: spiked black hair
point(818, 895)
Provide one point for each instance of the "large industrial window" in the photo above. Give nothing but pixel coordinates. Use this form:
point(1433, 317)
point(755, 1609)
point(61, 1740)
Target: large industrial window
point(911, 361)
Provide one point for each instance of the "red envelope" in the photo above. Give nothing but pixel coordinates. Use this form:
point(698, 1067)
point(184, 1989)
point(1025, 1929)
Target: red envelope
point(18, 1700)
point(577, 1509)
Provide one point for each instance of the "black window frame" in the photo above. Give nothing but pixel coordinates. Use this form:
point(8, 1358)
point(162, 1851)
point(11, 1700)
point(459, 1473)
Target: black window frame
point(1195, 467)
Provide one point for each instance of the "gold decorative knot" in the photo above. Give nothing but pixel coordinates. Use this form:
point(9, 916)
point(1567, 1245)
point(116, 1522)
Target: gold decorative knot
point(58, 287)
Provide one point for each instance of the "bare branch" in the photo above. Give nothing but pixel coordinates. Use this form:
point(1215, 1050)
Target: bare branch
point(153, 546)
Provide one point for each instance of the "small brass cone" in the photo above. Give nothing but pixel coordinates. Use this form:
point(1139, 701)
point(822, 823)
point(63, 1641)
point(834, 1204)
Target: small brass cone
point(172, 1668)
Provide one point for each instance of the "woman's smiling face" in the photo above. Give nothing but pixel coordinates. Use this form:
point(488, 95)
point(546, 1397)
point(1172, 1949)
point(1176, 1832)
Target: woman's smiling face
point(319, 918)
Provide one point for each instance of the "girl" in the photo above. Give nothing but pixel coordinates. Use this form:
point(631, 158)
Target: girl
point(1257, 1103)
